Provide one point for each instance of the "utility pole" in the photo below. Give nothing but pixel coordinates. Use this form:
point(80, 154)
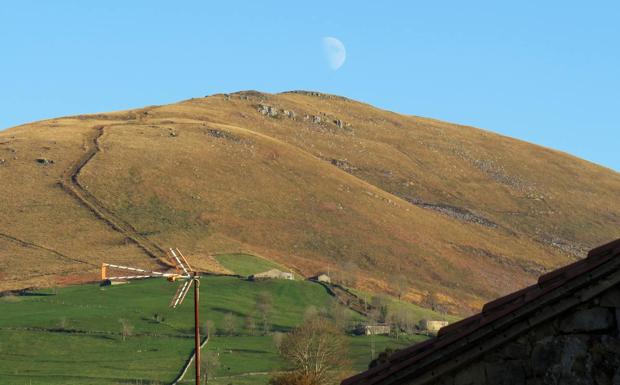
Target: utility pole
point(196, 327)
point(184, 273)
point(372, 344)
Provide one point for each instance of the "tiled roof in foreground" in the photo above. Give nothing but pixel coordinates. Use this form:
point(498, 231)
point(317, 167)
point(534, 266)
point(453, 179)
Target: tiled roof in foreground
point(496, 321)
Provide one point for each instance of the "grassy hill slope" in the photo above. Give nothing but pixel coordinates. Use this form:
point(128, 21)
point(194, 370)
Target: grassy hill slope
point(73, 335)
point(307, 180)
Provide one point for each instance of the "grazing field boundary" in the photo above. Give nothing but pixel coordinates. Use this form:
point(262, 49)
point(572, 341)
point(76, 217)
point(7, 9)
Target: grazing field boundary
point(32, 245)
point(92, 332)
point(188, 363)
point(347, 298)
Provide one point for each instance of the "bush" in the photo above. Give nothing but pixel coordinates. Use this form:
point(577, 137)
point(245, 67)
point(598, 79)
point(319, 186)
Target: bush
point(293, 378)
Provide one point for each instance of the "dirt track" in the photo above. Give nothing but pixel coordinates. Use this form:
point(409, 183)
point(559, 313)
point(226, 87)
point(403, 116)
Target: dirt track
point(71, 184)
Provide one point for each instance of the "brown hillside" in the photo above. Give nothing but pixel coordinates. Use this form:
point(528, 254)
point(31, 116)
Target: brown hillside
point(305, 179)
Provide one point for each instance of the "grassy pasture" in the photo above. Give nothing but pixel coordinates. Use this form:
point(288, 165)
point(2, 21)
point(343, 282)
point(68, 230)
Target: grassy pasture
point(246, 264)
point(72, 335)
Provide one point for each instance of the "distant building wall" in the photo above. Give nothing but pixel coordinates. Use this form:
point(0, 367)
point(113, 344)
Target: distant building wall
point(324, 278)
point(288, 276)
point(432, 326)
point(321, 278)
point(273, 274)
point(373, 329)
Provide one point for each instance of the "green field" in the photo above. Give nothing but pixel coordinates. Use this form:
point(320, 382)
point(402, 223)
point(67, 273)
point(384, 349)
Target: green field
point(246, 264)
point(73, 335)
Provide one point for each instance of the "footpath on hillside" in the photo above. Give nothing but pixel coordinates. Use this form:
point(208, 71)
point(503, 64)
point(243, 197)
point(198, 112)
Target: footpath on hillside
point(71, 184)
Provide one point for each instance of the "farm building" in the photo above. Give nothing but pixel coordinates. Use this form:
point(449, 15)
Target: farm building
point(108, 282)
point(372, 330)
point(432, 326)
point(565, 329)
point(272, 274)
point(321, 278)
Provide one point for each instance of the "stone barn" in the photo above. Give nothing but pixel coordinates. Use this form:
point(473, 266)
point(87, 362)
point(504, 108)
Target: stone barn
point(562, 330)
point(432, 326)
point(322, 277)
point(272, 274)
point(373, 330)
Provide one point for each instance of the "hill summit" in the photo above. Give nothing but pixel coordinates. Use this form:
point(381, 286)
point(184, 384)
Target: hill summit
point(444, 215)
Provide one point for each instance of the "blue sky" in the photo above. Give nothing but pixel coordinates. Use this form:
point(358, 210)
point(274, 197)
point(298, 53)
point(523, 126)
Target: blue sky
point(546, 72)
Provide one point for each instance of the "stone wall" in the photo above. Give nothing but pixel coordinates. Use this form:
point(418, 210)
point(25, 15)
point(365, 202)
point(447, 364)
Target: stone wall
point(432, 326)
point(373, 329)
point(579, 347)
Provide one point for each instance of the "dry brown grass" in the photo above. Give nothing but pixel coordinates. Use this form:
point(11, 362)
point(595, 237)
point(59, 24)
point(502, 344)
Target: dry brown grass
point(214, 175)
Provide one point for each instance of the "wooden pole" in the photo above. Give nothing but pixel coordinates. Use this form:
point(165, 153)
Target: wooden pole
point(196, 328)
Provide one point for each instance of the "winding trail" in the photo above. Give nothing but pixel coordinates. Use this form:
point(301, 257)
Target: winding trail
point(32, 245)
point(71, 184)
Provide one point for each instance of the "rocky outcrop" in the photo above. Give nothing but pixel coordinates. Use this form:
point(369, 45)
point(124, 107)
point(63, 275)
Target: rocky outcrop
point(318, 95)
point(44, 161)
point(221, 134)
point(343, 164)
point(572, 248)
point(320, 120)
point(268, 110)
point(459, 213)
point(529, 267)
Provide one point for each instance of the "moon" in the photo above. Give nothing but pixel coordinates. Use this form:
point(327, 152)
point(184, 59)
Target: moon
point(335, 53)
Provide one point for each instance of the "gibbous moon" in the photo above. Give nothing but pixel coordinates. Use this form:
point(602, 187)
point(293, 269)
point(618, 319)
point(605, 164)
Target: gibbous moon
point(335, 53)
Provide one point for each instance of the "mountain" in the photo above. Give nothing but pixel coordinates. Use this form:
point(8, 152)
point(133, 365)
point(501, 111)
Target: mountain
point(445, 215)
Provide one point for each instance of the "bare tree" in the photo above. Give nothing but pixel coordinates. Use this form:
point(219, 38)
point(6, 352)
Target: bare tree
point(348, 274)
point(278, 337)
point(339, 315)
point(264, 308)
point(435, 303)
point(209, 328)
point(401, 285)
point(291, 378)
point(310, 312)
point(250, 324)
point(230, 324)
point(409, 321)
point(317, 351)
point(398, 318)
point(126, 328)
point(380, 309)
point(210, 362)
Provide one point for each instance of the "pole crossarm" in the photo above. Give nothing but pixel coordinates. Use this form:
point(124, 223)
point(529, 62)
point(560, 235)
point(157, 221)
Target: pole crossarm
point(176, 255)
point(148, 273)
point(184, 272)
point(179, 296)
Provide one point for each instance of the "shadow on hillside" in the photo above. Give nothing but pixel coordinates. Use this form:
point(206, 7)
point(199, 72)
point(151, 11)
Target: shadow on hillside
point(225, 311)
point(33, 294)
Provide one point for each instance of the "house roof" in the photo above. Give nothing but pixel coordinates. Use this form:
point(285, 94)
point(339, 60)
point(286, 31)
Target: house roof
point(454, 339)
